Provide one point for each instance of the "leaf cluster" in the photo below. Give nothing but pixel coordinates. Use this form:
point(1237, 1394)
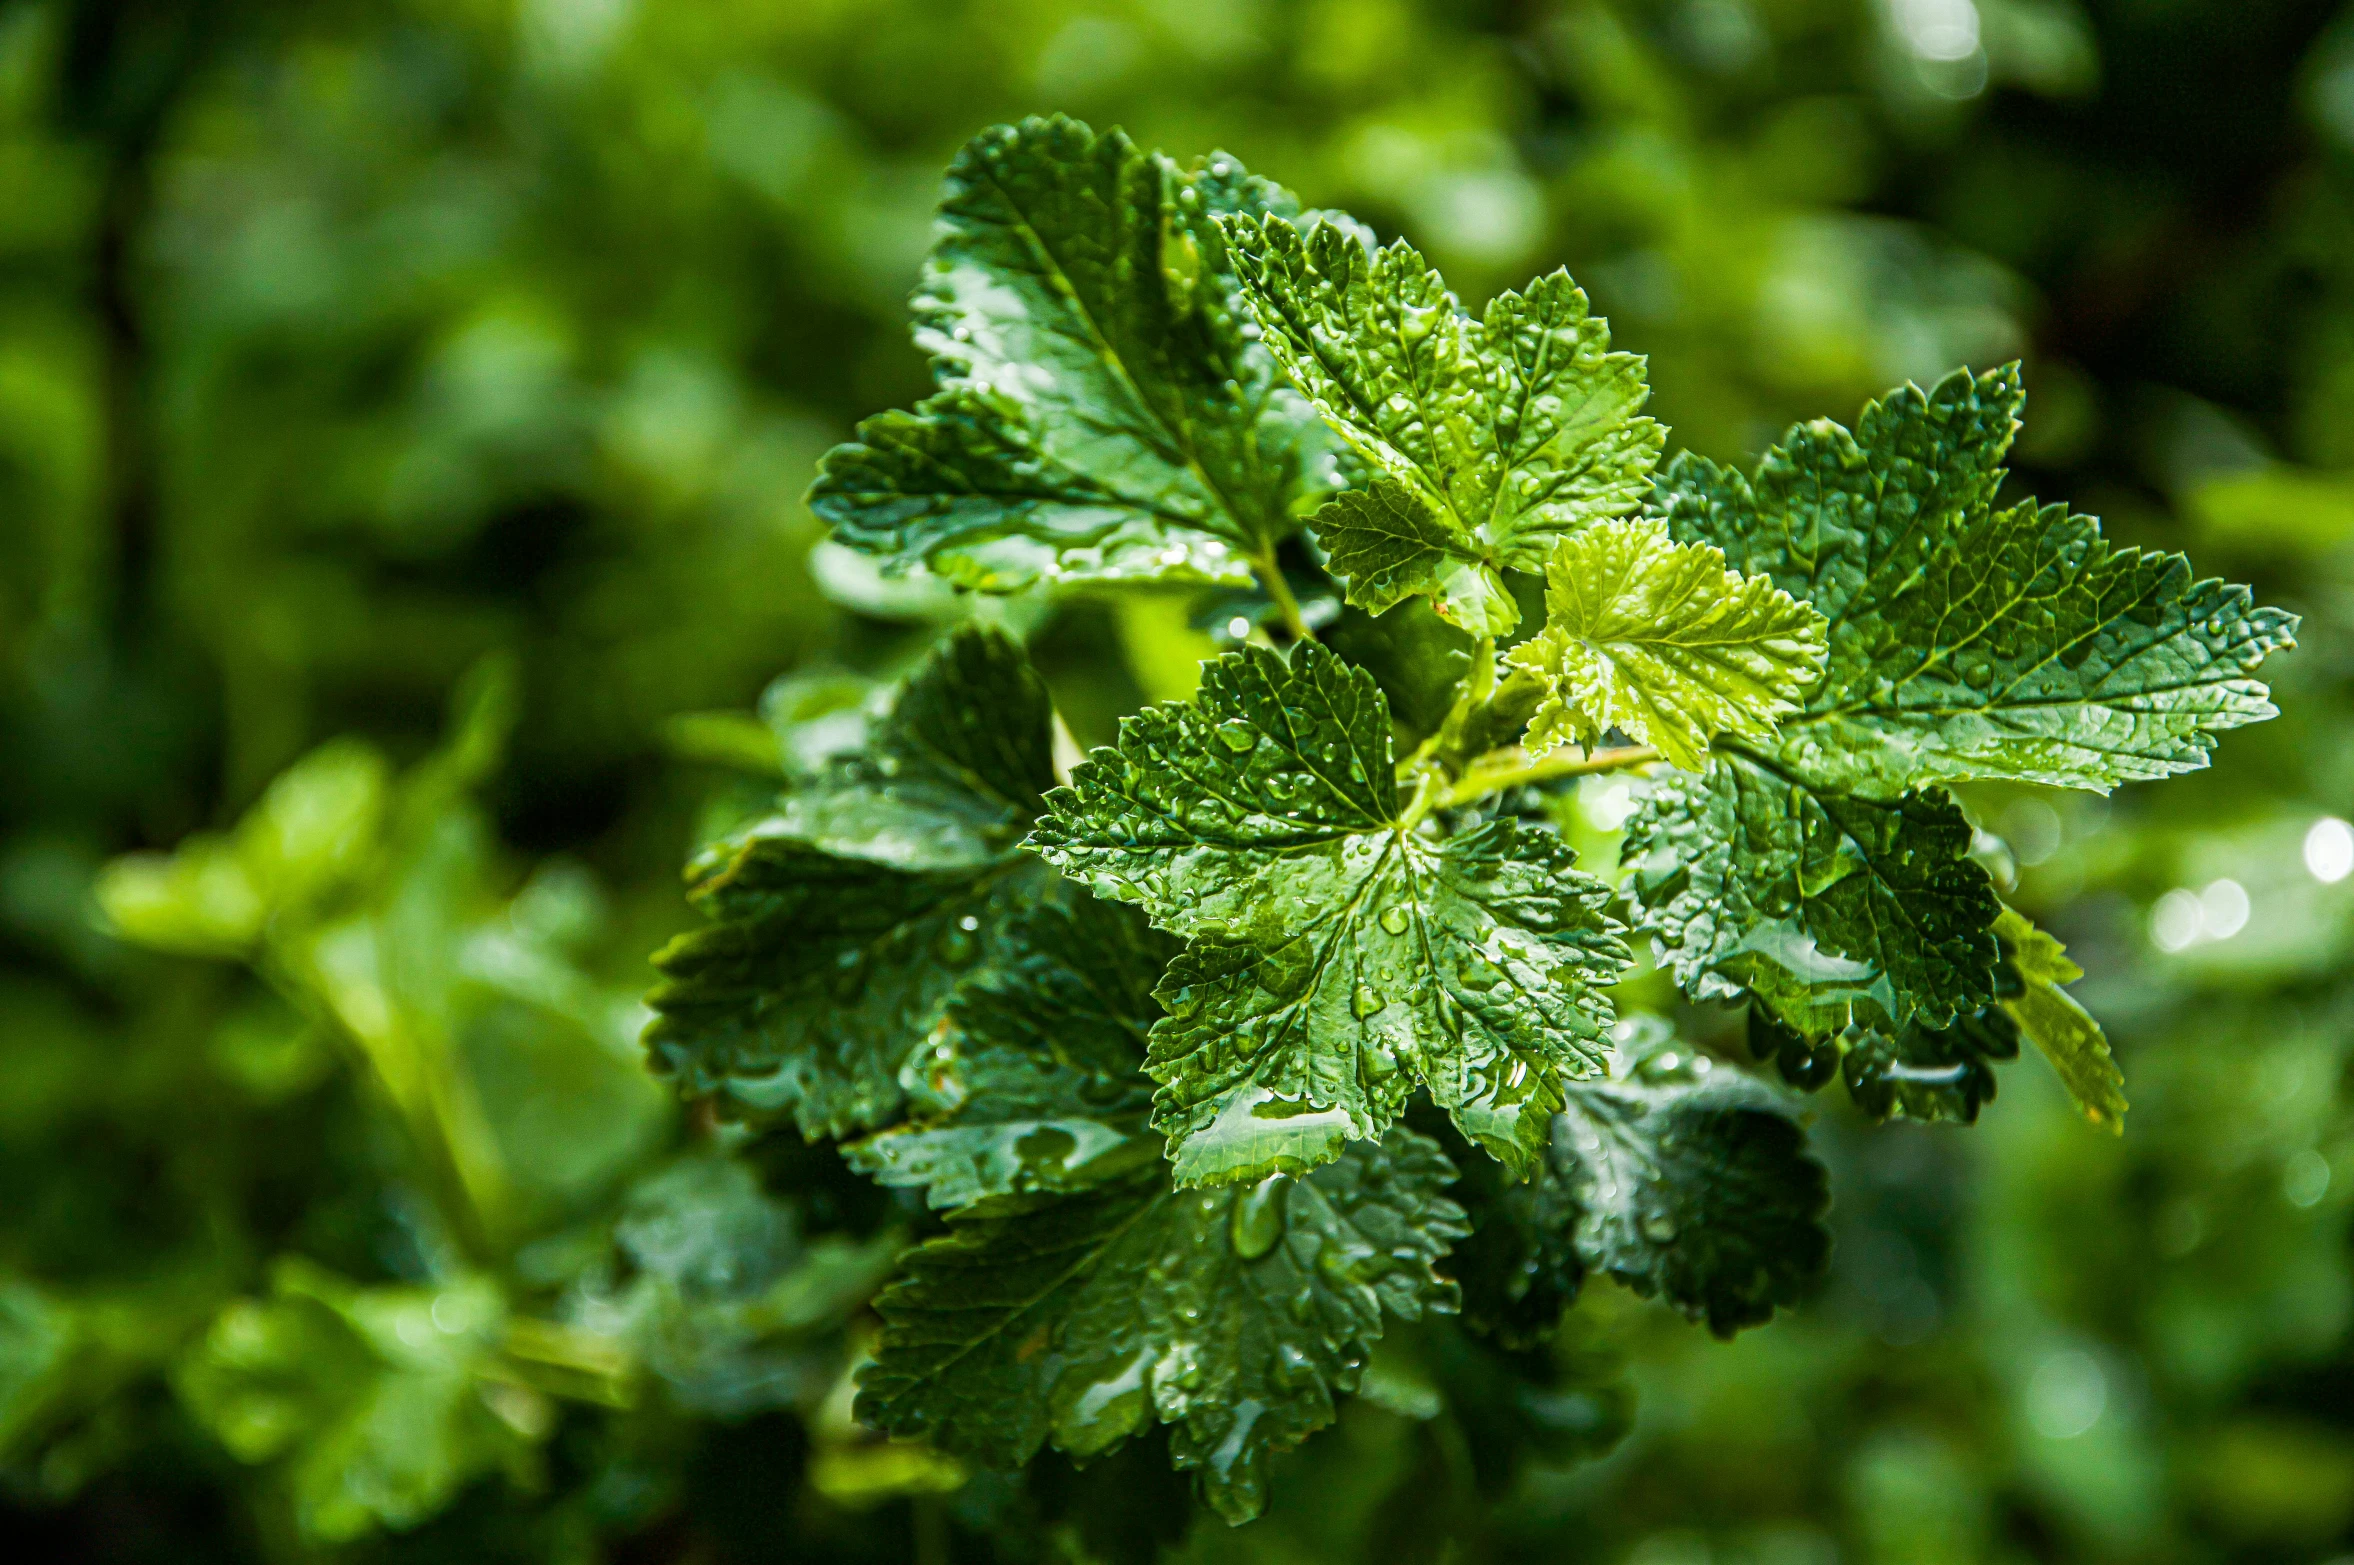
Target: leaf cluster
point(1151, 1039)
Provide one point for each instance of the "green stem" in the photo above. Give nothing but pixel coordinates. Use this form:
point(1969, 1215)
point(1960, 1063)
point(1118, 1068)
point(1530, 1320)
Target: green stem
point(1477, 686)
point(1279, 591)
point(1479, 782)
point(1429, 786)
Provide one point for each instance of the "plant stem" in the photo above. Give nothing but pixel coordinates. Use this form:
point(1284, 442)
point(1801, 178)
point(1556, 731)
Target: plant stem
point(1279, 591)
point(1481, 781)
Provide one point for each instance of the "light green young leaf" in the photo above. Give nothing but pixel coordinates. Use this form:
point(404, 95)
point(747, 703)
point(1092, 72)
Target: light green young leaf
point(1340, 956)
point(2052, 1020)
point(1659, 640)
point(828, 961)
point(1966, 641)
point(1235, 1316)
point(1498, 435)
point(1103, 413)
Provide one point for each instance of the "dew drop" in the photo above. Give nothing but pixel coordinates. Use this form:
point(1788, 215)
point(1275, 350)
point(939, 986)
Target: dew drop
point(1257, 1221)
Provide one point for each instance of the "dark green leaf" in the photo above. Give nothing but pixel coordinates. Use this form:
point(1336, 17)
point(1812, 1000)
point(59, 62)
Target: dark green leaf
point(1930, 1074)
point(1495, 436)
point(950, 778)
point(1829, 907)
point(1103, 412)
point(827, 962)
point(1675, 1175)
point(1818, 870)
point(1044, 1086)
point(1232, 1315)
point(1966, 641)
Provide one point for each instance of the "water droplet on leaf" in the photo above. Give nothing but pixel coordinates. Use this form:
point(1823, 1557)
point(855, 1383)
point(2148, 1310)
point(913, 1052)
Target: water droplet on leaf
point(1257, 1221)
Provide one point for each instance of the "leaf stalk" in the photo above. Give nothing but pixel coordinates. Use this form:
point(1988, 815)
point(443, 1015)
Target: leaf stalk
point(1279, 592)
point(1483, 778)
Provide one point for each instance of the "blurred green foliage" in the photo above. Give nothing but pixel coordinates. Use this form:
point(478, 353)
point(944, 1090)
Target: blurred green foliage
point(404, 409)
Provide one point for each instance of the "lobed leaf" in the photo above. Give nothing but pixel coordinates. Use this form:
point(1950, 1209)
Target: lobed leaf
point(1820, 869)
point(1044, 1088)
point(1234, 1316)
point(1673, 1175)
point(949, 778)
point(1104, 413)
point(1490, 439)
point(1692, 1184)
point(1827, 906)
point(1968, 642)
point(1339, 957)
point(1659, 640)
point(841, 925)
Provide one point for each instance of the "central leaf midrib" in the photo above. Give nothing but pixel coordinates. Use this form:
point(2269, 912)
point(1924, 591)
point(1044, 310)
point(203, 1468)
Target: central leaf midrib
point(1179, 441)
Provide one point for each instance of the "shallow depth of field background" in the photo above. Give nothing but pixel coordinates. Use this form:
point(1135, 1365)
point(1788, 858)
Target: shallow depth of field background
point(361, 358)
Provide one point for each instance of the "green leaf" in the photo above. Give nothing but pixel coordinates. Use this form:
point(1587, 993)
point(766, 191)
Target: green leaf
point(371, 1398)
point(951, 777)
point(1044, 1088)
point(1676, 1176)
point(1929, 1074)
point(315, 830)
point(1966, 641)
point(1498, 436)
point(1079, 1290)
point(1831, 908)
point(1234, 1316)
point(1659, 640)
point(1103, 413)
point(1691, 1183)
point(1389, 547)
point(2069, 1038)
point(711, 1290)
point(828, 960)
point(1339, 956)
